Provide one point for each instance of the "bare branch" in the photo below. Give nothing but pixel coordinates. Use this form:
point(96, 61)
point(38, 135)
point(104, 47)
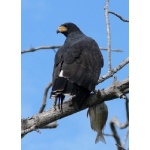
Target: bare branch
point(125, 139)
point(44, 97)
point(113, 71)
point(39, 48)
point(115, 120)
point(108, 34)
point(120, 147)
point(120, 17)
point(115, 134)
point(127, 107)
point(112, 50)
point(118, 124)
point(56, 47)
point(51, 115)
point(106, 134)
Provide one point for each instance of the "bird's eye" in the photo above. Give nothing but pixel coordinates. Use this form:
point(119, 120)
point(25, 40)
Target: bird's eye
point(66, 25)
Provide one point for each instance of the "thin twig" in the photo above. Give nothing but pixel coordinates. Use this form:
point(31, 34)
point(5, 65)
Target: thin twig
point(106, 134)
point(120, 17)
point(121, 126)
point(113, 71)
point(126, 124)
point(115, 134)
point(108, 35)
point(118, 124)
point(39, 48)
point(120, 147)
point(33, 49)
point(127, 107)
point(113, 50)
point(125, 139)
point(44, 97)
point(114, 121)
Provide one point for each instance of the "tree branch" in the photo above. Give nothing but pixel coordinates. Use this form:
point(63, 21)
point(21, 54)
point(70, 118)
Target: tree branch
point(56, 47)
point(39, 48)
point(44, 97)
point(127, 107)
point(125, 139)
point(108, 34)
point(113, 71)
point(118, 124)
point(44, 118)
point(114, 121)
point(115, 134)
point(120, 17)
point(120, 147)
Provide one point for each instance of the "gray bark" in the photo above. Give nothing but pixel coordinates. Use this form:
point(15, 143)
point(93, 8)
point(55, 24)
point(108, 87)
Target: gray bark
point(42, 119)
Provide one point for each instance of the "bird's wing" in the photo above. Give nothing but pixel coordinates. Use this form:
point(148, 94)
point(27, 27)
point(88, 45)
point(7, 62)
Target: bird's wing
point(58, 62)
point(82, 63)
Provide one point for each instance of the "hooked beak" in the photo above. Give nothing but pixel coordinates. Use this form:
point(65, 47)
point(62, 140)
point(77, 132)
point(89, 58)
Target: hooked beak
point(61, 29)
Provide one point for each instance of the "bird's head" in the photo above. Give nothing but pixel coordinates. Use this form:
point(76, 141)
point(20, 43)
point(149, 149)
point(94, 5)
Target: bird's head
point(67, 28)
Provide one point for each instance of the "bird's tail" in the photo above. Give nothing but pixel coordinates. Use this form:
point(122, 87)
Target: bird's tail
point(81, 96)
point(63, 86)
point(100, 137)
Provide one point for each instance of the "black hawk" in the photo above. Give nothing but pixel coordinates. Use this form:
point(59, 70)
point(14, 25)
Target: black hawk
point(77, 66)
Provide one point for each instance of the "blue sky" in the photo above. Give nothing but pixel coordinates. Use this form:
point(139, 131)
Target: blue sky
point(39, 21)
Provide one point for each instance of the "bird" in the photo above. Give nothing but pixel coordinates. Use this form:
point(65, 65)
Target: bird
point(77, 66)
